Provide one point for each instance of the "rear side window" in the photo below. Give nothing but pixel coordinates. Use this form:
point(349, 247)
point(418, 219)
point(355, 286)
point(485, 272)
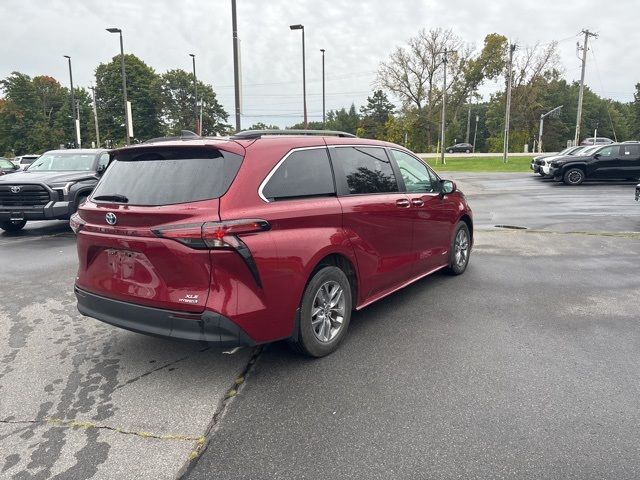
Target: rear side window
point(304, 173)
point(367, 169)
point(631, 150)
point(164, 176)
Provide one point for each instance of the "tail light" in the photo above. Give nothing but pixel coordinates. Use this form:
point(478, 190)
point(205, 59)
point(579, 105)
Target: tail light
point(212, 234)
point(76, 223)
point(215, 235)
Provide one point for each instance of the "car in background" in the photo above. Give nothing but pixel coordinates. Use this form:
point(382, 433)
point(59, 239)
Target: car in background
point(51, 188)
point(6, 166)
point(596, 141)
point(23, 161)
point(545, 163)
point(460, 148)
point(538, 161)
point(263, 236)
point(619, 161)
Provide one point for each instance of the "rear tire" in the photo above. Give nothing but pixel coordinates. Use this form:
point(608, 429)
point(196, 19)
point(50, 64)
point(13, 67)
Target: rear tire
point(325, 312)
point(573, 176)
point(467, 151)
point(460, 250)
point(12, 226)
point(449, 151)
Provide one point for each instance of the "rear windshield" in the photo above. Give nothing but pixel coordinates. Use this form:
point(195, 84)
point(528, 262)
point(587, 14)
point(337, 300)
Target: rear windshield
point(168, 176)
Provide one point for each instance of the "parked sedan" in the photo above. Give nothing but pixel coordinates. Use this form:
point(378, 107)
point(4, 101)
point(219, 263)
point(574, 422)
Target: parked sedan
point(460, 148)
point(7, 167)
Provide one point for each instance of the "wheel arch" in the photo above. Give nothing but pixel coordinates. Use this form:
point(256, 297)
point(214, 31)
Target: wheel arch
point(345, 264)
point(466, 218)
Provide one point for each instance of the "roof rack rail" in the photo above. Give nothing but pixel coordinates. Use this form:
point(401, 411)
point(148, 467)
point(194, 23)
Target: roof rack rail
point(184, 135)
point(251, 134)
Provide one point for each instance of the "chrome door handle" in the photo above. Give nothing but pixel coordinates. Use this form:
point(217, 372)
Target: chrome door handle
point(403, 203)
point(417, 202)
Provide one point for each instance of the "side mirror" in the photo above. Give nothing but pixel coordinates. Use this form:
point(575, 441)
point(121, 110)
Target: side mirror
point(16, 167)
point(446, 187)
point(596, 156)
point(101, 169)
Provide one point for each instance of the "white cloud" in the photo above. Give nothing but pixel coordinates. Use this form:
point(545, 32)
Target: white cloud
point(356, 36)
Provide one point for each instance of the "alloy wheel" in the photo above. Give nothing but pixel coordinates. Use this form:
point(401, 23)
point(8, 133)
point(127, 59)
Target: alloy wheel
point(461, 248)
point(327, 311)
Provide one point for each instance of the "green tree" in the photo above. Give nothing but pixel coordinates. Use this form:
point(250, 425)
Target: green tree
point(35, 114)
point(375, 115)
point(143, 91)
point(177, 95)
point(263, 126)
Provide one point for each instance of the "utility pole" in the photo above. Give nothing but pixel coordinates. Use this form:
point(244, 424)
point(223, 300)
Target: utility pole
point(324, 120)
point(542, 117)
point(475, 133)
point(236, 66)
point(444, 105)
point(195, 93)
point(468, 124)
point(512, 48)
point(95, 116)
point(587, 34)
point(201, 109)
point(73, 104)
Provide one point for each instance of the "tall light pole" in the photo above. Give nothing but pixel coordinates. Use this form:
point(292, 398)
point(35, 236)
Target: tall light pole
point(512, 48)
point(324, 120)
point(542, 117)
point(124, 86)
point(73, 105)
point(195, 93)
point(475, 133)
point(304, 75)
point(236, 63)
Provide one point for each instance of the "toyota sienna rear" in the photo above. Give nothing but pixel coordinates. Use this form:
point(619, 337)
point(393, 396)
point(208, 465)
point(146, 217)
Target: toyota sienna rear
point(261, 237)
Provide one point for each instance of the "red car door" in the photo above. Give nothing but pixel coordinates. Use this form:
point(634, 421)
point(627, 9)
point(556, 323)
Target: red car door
point(377, 218)
point(434, 216)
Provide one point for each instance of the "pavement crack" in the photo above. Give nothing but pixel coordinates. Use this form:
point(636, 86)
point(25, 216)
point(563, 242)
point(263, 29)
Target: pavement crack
point(162, 367)
point(232, 393)
point(86, 425)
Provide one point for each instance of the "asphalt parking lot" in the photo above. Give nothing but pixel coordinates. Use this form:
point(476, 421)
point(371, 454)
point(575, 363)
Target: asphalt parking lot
point(524, 367)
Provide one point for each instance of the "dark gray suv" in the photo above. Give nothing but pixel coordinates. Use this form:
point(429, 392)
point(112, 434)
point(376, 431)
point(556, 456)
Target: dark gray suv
point(52, 188)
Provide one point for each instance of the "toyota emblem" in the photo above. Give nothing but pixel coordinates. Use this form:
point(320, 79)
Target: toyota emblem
point(111, 218)
point(15, 189)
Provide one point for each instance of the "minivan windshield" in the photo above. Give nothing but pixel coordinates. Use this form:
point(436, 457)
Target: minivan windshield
point(165, 176)
point(4, 163)
point(64, 162)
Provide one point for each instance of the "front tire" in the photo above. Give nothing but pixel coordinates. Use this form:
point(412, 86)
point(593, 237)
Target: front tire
point(449, 151)
point(460, 250)
point(467, 151)
point(573, 176)
point(12, 226)
point(325, 312)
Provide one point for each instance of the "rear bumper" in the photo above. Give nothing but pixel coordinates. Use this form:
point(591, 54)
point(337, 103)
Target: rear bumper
point(210, 327)
point(51, 211)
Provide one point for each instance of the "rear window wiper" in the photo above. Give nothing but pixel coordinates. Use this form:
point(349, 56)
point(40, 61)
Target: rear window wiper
point(113, 197)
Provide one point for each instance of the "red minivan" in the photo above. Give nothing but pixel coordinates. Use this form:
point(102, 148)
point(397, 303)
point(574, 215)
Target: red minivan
point(262, 236)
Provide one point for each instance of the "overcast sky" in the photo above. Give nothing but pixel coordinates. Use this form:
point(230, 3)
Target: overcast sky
point(356, 36)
